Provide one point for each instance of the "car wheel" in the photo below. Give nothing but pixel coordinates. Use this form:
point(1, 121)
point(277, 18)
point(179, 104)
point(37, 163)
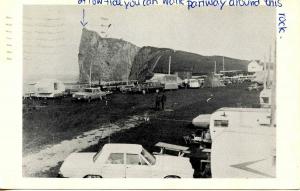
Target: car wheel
point(92, 176)
point(172, 176)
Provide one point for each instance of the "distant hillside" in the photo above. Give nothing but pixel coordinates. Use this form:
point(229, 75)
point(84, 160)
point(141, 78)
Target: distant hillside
point(144, 62)
point(115, 59)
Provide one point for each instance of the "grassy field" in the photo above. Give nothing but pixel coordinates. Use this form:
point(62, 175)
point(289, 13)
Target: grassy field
point(62, 119)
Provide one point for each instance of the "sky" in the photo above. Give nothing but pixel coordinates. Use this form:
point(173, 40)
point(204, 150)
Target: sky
point(51, 34)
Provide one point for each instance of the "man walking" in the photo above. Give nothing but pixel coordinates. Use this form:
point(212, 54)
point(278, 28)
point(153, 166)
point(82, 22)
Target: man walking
point(157, 101)
point(163, 100)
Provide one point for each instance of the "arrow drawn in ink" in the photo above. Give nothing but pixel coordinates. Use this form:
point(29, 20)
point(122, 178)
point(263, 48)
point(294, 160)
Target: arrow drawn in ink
point(83, 23)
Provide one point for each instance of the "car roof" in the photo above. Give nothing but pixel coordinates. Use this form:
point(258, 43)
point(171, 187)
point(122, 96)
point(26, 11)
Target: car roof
point(123, 148)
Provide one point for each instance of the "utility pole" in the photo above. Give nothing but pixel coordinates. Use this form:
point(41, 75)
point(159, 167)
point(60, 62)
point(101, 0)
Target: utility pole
point(269, 68)
point(265, 70)
point(169, 65)
point(215, 70)
point(91, 74)
point(223, 64)
point(170, 60)
point(128, 62)
point(273, 92)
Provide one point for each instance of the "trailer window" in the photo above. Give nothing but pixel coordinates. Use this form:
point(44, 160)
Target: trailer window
point(221, 123)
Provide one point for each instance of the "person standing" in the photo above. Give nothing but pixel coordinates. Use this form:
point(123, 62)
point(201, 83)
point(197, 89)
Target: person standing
point(163, 100)
point(157, 101)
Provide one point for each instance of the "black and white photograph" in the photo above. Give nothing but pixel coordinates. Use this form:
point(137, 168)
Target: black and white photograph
point(148, 92)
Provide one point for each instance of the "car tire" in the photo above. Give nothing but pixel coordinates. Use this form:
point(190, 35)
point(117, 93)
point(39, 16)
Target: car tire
point(92, 176)
point(172, 176)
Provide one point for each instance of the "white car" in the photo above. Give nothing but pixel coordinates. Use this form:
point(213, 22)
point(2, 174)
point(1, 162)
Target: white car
point(125, 161)
point(90, 94)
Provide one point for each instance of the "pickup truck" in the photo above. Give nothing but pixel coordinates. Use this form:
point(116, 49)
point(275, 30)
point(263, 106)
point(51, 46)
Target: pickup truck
point(89, 94)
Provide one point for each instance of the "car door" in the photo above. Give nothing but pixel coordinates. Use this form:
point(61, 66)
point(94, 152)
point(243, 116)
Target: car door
point(137, 166)
point(114, 166)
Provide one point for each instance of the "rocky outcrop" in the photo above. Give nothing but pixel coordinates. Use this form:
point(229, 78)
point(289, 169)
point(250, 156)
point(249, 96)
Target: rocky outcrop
point(146, 61)
point(106, 58)
point(115, 59)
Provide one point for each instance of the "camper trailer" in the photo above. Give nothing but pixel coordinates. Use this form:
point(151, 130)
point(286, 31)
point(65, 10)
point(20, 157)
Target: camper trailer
point(243, 143)
point(193, 83)
point(49, 88)
point(169, 81)
point(265, 97)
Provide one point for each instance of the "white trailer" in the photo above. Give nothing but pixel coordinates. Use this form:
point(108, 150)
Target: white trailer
point(49, 88)
point(243, 143)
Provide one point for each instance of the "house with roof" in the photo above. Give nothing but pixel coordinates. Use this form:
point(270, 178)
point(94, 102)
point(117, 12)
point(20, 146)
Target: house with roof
point(255, 66)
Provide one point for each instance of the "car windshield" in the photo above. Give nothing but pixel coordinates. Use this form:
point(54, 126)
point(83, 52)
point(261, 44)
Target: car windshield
point(97, 155)
point(88, 90)
point(148, 156)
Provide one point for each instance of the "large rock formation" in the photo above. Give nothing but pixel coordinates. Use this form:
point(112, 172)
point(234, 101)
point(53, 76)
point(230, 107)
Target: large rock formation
point(114, 59)
point(106, 58)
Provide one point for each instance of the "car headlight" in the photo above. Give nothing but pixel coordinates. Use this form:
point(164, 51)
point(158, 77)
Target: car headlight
point(73, 95)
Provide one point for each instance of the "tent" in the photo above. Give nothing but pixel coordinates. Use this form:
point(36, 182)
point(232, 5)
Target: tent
point(212, 81)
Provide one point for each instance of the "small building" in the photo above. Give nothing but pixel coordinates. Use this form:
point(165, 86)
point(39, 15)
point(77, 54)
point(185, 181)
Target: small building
point(255, 66)
point(49, 88)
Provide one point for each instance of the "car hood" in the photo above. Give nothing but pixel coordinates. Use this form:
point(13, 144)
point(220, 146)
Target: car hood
point(78, 165)
point(175, 165)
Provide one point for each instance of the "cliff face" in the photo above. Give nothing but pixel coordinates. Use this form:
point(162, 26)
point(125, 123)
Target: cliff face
point(113, 59)
point(106, 58)
point(146, 61)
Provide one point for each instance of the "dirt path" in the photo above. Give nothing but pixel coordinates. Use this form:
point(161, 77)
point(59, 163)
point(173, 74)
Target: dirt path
point(53, 154)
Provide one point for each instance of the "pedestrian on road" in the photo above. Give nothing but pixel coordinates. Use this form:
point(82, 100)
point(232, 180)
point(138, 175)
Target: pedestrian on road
point(163, 100)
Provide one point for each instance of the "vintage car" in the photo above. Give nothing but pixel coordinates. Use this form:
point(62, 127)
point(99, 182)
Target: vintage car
point(90, 94)
point(125, 161)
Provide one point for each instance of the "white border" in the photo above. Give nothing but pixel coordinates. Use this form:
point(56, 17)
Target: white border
point(288, 116)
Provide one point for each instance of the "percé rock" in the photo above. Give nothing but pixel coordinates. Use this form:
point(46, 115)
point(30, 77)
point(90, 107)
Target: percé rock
point(106, 58)
point(115, 59)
